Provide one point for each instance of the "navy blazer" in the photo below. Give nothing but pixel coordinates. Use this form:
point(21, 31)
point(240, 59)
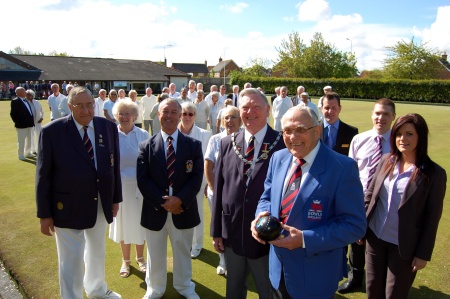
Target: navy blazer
point(67, 183)
point(20, 114)
point(419, 211)
point(344, 137)
point(328, 209)
point(153, 182)
point(234, 205)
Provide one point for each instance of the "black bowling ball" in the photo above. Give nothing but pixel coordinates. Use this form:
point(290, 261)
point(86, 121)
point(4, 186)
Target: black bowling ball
point(268, 228)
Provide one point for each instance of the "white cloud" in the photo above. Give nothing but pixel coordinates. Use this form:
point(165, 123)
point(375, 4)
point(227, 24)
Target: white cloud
point(236, 8)
point(313, 10)
point(437, 34)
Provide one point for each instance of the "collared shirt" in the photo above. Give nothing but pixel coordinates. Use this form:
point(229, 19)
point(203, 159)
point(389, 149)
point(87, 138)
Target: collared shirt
point(384, 222)
point(362, 149)
point(91, 135)
point(27, 104)
point(192, 95)
point(310, 105)
point(148, 103)
point(174, 95)
point(259, 138)
point(174, 144)
point(98, 111)
point(53, 103)
point(326, 128)
point(309, 160)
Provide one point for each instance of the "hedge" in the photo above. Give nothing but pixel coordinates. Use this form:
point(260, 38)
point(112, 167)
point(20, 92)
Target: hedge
point(431, 91)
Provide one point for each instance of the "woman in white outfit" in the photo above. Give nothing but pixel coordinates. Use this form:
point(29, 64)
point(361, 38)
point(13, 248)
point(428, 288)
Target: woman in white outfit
point(187, 127)
point(202, 116)
point(126, 228)
point(231, 121)
point(214, 107)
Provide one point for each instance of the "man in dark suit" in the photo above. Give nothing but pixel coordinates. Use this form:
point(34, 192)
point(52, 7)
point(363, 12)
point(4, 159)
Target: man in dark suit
point(78, 190)
point(317, 195)
point(169, 176)
point(235, 95)
point(239, 182)
point(336, 134)
point(22, 116)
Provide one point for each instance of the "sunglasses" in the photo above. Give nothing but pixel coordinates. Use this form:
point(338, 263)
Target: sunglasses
point(186, 114)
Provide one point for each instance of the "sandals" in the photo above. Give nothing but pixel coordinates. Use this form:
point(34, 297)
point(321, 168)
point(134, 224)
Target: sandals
point(142, 264)
point(125, 269)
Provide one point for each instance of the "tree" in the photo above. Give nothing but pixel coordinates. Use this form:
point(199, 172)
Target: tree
point(20, 51)
point(257, 67)
point(63, 54)
point(320, 60)
point(409, 60)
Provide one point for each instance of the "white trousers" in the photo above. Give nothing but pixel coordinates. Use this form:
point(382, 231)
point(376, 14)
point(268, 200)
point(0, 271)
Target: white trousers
point(24, 141)
point(82, 253)
point(156, 275)
point(35, 137)
point(221, 255)
point(199, 230)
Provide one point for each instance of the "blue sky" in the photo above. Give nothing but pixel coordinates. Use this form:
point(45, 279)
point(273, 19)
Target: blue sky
point(206, 30)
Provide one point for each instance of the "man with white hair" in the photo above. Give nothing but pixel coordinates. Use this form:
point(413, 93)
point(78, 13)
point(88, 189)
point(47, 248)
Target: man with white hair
point(99, 102)
point(148, 101)
point(212, 89)
point(192, 93)
point(277, 93)
point(247, 85)
point(326, 90)
point(306, 102)
point(235, 95)
point(64, 106)
point(53, 102)
point(173, 93)
point(297, 98)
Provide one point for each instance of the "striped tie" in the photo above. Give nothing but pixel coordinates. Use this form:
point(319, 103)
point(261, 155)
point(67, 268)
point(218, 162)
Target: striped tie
point(292, 191)
point(377, 153)
point(170, 160)
point(249, 153)
point(88, 144)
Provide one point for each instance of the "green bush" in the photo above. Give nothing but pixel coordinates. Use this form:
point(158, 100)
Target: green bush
point(431, 91)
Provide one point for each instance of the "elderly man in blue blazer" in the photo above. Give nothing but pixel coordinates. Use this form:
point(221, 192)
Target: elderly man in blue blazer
point(317, 195)
point(169, 175)
point(78, 190)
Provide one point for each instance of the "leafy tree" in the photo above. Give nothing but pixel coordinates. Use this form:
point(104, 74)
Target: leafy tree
point(409, 60)
point(257, 67)
point(372, 74)
point(63, 54)
point(20, 51)
point(320, 60)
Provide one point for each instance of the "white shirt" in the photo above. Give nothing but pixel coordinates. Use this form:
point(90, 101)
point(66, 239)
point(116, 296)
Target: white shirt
point(280, 106)
point(213, 148)
point(202, 111)
point(362, 148)
point(147, 105)
point(98, 111)
point(39, 111)
point(192, 95)
point(174, 144)
point(108, 106)
point(53, 103)
point(174, 95)
point(140, 111)
point(259, 138)
point(310, 105)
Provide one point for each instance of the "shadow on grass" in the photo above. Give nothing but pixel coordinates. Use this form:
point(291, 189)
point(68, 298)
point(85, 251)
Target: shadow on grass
point(426, 292)
point(30, 160)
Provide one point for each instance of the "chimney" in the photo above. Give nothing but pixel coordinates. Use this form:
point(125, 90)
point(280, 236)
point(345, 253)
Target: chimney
point(206, 62)
point(444, 56)
point(220, 59)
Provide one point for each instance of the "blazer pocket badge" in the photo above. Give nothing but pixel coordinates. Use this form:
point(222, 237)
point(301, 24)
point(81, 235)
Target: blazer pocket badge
point(100, 140)
point(112, 159)
point(345, 145)
point(189, 166)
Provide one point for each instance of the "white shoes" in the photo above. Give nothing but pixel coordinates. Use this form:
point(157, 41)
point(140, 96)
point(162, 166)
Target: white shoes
point(109, 295)
point(195, 253)
point(222, 270)
point(22, 158)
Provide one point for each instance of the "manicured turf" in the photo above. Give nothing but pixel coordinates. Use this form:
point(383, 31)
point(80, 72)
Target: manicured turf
point(32, 257)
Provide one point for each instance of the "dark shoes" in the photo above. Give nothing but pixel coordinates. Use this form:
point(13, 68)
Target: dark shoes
point(349, 286)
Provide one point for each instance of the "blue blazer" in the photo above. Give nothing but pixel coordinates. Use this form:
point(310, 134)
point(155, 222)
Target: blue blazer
point(153, 182)
point(329, 209)
point(67, 183)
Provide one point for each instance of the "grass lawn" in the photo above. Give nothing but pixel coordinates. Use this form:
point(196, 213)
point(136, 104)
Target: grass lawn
point(32, 257)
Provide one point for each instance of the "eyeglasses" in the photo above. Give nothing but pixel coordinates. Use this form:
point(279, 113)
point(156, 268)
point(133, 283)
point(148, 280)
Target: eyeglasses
point(83, 106)
point(186, 114)
point(124, 114)
point(299, 130)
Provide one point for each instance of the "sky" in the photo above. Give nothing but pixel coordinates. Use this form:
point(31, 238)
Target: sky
point(191, 31)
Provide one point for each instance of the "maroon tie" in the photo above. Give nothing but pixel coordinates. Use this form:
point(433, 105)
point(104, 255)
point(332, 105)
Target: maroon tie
point(88, 144)
point(170, 160)
point(292, 191)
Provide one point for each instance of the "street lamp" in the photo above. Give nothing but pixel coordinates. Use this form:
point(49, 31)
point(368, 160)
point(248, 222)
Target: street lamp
point(224, 65)
point(351, 45)
point(165, 62)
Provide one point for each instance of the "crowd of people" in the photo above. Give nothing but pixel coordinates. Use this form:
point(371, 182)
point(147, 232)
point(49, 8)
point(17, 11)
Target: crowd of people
point(376, 195)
